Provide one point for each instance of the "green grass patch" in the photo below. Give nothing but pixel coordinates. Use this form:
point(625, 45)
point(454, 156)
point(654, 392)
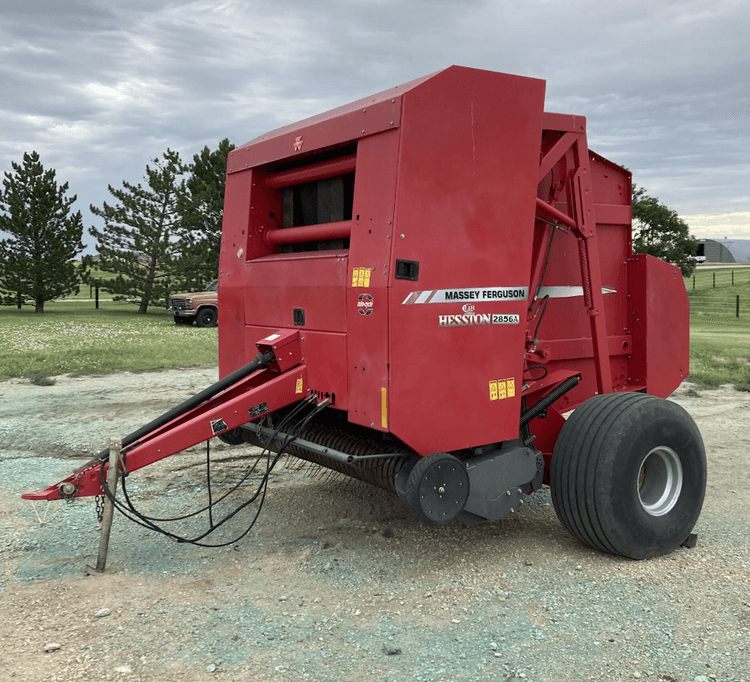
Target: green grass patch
point(720, 357)
point(86, 292)
point(719, 278)
point(719, 340)
point(717, 308)
point(74, 337)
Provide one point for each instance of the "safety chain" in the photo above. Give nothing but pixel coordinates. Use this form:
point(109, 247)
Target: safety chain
point(99, 503)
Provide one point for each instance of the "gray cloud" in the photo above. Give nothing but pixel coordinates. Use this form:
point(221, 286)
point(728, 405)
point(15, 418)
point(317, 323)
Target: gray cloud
point(99, 88)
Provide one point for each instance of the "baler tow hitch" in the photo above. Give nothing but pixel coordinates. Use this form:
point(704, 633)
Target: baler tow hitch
point(273, 380)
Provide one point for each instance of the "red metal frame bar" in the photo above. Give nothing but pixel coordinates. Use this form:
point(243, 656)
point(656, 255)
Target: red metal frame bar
point(315, 171)
point(556, 214)
point(591, 273)
point(555, 153)
point(583, 223)
point(309, 233)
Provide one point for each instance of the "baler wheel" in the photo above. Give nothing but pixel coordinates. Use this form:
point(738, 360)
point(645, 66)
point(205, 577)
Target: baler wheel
point(628, 474)
point(437, 489)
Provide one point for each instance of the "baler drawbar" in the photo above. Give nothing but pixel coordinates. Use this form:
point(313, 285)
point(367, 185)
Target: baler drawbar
point(442, 275)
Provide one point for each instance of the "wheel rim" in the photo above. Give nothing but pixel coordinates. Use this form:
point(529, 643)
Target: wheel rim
point(660, 481)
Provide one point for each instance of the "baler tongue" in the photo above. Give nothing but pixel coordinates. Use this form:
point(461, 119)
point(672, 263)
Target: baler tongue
point(275, 379)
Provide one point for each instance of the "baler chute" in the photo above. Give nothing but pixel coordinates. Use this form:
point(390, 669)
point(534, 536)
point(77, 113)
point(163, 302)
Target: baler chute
point(447, 269)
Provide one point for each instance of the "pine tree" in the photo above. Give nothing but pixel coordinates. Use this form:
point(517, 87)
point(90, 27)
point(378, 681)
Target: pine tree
point(202, 210)
point(136, 241)
point(659, 231)
point(37, 259)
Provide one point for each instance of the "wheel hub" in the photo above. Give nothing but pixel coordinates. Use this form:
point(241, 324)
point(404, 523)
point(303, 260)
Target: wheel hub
point(660, 481)
point(439, 489)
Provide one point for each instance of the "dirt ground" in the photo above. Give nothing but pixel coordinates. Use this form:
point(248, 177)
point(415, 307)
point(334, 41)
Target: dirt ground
point(336, 580)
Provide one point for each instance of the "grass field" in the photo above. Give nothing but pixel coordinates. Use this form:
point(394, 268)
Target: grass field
point(720, 357)
point(74, 337)
point(719, 340)
point(86, 292)
point(719, 277)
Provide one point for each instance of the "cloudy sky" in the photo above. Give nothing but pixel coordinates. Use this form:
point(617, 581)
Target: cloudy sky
point(100, 87)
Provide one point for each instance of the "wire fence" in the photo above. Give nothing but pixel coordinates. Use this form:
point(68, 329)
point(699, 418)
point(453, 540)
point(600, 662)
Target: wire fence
point(728, 308)
point(717, 279)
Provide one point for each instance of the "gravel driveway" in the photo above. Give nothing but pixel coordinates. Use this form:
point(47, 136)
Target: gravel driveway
point(336, 581)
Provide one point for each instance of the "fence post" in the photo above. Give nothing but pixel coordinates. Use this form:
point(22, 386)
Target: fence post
point(732, 277)
point(738, 305)
point(714, 280)
point(693, 282)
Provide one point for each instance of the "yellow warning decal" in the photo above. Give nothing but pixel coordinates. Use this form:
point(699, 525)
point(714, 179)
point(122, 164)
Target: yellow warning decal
point(361, 277)
point(298, 388)
point(493, 390)
point(384, 407)
point(500, 389)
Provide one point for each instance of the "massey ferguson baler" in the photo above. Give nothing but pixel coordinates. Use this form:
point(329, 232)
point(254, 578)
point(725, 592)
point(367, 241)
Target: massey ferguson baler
point(439, 273)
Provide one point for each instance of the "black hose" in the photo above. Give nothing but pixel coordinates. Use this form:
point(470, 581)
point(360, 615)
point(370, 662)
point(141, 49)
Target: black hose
point(260, 362)
point(544, 403)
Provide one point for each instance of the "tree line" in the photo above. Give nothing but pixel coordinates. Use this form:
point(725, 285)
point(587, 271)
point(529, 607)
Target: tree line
point(158, 236)
point(164, 234)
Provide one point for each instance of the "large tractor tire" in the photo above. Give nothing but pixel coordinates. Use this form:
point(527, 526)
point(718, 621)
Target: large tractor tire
point(628, 474)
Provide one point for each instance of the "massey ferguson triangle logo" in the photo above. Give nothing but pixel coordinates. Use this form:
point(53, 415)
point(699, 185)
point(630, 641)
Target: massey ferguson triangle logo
point(298, 143)
point(364, 304)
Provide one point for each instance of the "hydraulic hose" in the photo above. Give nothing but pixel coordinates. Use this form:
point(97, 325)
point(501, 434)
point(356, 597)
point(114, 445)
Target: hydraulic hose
point(536, 409)
point(261, 361)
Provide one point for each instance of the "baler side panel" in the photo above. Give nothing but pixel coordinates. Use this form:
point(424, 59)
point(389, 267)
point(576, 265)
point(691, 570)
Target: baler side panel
point(231, 262)
point(465, 203)
point(313, 282)
point(660, 325)
point(369, 276)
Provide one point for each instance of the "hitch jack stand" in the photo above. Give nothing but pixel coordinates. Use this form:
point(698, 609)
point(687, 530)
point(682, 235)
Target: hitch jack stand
point(109, 507)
